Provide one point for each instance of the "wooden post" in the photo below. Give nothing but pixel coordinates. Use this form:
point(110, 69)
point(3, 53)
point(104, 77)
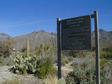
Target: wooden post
point(58, 48)
point(97, 47)
point(28, 47)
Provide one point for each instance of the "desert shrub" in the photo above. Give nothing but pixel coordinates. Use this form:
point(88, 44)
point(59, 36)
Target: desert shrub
point(6, 47)
point(24, 50)
point(66, 60)
point(4, 51)
point(83, 73)
point(39, 63)
point(1, 61)
point(20, 62)
point(45, 50)
point(45, 68)
point(106, 53)
point(6, 61)
point(81, 77)
point(106, 71)
point(80, 53)
point(24, 64)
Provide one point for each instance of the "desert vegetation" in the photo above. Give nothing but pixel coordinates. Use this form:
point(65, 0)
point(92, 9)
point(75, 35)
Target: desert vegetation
point(84, 72)
point(40, 63)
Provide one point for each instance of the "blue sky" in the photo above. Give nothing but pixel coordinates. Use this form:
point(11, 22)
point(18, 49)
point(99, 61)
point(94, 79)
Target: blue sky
point(24, 16)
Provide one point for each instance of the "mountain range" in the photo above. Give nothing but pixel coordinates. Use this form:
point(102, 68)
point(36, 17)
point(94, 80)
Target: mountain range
point(41, 37)
point(4, 36)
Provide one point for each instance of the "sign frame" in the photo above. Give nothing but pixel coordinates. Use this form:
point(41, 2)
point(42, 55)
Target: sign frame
point(97, 47)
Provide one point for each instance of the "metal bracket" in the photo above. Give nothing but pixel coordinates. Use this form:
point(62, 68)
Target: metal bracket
point(92, 16)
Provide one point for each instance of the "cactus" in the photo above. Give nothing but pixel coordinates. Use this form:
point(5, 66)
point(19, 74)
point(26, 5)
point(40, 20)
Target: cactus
point(33, 64)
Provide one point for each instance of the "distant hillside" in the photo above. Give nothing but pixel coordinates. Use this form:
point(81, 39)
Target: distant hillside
point(105, 38)
point(35, 39)
point(4, 36)
point(42, 37)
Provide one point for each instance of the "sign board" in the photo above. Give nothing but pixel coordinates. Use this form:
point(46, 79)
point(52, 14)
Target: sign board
point(76, 33)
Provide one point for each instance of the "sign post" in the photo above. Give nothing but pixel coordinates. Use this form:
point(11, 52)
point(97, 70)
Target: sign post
point(97, 47)
point(58, 48)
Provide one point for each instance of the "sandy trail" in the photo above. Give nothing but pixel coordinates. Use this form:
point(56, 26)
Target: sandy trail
point(5, 74)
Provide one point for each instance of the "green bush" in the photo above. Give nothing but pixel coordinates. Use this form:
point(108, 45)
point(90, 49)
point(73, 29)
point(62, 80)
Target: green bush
point(6, 47)
point(106, 53)
point(32, 65)
point(4, 51)
point(85, 73)
point(81, 76)
point(46, 68)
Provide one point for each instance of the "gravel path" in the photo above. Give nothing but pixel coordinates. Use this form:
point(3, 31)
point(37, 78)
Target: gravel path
point(5, 74)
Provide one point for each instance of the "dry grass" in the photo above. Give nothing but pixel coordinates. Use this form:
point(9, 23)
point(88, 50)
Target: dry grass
point(14, 81)
point(53, 80)
point(48, 80)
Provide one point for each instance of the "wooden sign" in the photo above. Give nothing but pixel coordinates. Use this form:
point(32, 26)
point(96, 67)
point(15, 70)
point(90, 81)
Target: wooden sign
point(76, 33)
